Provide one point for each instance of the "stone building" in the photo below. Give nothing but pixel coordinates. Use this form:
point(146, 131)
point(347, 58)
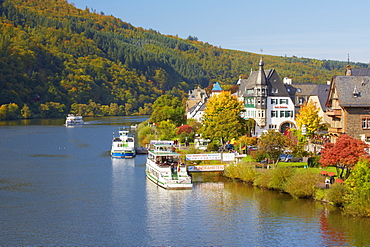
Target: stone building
point(349, 104)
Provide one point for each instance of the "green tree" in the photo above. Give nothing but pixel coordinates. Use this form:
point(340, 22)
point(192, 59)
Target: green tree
point(166, 130)
point(358, 184)
point(168, 107)
point(222, 119)
point(273, 143)
point(26, 112)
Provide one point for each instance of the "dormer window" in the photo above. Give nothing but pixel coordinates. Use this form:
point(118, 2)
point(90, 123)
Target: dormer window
point(299, 90)
point(274, 90)
point(355, 92)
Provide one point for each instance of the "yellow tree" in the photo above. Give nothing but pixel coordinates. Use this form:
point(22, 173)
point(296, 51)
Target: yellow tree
point(308, 116)
point(222, 119)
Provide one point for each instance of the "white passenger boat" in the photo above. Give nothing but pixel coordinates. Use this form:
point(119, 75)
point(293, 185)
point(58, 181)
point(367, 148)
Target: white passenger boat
point(124, 145)
point(74, 120)
point(164, 167)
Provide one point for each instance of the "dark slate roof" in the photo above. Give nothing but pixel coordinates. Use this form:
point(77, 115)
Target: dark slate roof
point(304, 88)
point(361, 72)
point(347, 85)
point(273, 81)
point(322, 92)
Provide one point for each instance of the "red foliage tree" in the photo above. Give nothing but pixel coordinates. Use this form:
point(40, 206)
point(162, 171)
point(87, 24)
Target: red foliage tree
point(344, 154)
point(184, 129)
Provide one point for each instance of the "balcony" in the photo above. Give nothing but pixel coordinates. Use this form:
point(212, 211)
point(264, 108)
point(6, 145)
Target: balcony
point(335, 130)
point(334, 113)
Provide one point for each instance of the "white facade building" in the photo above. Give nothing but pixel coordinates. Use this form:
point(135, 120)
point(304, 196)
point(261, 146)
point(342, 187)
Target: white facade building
point(267, 101)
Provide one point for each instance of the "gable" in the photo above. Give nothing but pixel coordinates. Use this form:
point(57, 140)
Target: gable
point(352, 91)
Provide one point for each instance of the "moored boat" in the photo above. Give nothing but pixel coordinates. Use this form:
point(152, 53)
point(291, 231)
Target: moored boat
point(164, 166)
point(74, 120)
point(124, 145)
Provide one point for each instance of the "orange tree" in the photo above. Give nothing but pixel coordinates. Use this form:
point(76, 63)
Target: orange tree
point(344, 154)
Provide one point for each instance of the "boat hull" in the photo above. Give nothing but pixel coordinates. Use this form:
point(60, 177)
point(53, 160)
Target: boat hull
point(166, 177)
point(123, 155)
point(167, 185)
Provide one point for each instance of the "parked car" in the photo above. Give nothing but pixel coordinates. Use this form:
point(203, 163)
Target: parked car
point(291, 158)
point(282, 157)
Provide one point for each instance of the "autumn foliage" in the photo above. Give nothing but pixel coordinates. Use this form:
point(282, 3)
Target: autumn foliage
point(184, 129)
point(344, 154)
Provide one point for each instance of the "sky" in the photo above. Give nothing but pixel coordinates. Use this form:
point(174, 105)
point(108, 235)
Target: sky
point(324, 30)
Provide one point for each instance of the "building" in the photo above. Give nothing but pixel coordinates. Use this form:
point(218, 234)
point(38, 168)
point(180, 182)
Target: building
point(197, 101)
point(349, 104)
point(267, 101)
point(319, 97)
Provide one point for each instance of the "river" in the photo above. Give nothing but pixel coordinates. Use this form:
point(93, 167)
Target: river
point(59, 186)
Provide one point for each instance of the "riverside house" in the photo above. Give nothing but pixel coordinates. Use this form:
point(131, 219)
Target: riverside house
point(349, 104)
point(267, 101)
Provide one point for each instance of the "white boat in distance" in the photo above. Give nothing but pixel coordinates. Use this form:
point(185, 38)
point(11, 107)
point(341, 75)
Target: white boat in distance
point(164, 167)
point(124, 145)
point(74, 120)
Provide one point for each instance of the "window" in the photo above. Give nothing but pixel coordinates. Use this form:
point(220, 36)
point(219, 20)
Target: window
point(274, 101)
point(274, 113)
point(284, 101)
point(300, 101)
point(272, 126)
point(365, 122)
point(286, 114)
point(274, 90)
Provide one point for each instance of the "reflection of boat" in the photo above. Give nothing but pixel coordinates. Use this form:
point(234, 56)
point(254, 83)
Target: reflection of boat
point(164, 167)
point(74, 120)
point(124, 145)
point(141, 150)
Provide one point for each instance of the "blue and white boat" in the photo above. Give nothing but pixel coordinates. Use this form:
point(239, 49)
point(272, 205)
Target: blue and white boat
point(124, 145)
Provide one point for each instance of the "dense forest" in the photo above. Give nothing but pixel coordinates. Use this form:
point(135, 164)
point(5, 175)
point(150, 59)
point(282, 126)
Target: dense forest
point(56, 59)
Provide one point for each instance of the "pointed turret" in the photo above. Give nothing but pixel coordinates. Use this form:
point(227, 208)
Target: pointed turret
point(261, 77)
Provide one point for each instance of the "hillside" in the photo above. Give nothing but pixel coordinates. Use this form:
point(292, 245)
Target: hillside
point(55, 55)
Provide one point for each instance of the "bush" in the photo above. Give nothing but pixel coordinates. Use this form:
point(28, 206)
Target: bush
point(358, 203)
point(302, 185)
point(280, 176)
point(263, 179)
point(337, 194)
point(243, 171)
point(212, 146)
point(313, 161)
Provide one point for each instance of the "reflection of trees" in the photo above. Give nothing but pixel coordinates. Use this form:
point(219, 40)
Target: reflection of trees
point(329, 235)
point(352, 231)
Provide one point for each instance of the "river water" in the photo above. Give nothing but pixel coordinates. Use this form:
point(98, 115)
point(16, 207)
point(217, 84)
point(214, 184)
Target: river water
point(59, 186)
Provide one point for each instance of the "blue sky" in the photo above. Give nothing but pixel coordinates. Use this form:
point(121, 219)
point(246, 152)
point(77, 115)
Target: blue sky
point(326, 29)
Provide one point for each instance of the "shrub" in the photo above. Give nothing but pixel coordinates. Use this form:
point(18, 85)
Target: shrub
point(263, 179)
point(280, 176)
point(212, 146)
point(303, 185)
point(243, 171)
point(320, 195)
point(358, 184)
point(313, 161)
point(337, 194)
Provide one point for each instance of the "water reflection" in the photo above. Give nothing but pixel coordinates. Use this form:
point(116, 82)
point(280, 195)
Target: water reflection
point(67, 190)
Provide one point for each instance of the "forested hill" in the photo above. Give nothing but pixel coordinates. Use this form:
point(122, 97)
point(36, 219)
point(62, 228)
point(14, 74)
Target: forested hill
point(53, 55)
